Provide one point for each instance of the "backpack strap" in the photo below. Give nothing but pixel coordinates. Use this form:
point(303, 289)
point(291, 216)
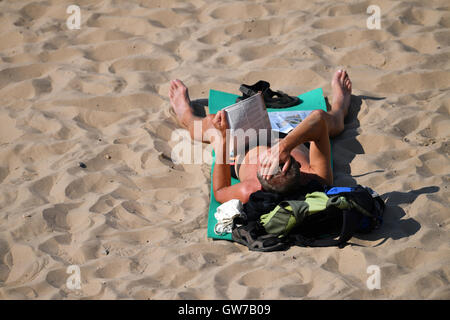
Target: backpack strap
point(350, 223)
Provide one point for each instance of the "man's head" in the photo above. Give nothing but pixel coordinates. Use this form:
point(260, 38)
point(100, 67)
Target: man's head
point(282, 183)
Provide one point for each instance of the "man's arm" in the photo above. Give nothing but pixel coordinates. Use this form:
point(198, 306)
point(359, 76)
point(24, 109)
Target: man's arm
point(222, 188)
point(313, 129)
point(310, 129)
point(221, 174)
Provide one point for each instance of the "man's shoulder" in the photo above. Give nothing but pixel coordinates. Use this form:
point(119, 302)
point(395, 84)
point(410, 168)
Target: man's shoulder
point(252, 184)
point(249, 186)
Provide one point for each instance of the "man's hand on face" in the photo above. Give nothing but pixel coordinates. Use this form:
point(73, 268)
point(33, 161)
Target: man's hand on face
point(271, 159)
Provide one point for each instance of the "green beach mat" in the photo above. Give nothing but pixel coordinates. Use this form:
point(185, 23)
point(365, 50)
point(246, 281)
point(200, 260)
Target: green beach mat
point(218, 100)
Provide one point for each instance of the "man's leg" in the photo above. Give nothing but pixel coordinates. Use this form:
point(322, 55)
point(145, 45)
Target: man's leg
point(319, 151)
point(179, 99)
point(342, 90)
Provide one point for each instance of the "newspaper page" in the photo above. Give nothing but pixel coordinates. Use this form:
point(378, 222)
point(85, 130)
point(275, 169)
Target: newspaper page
point(249, 121)
point(286, 121)
point(247, 114)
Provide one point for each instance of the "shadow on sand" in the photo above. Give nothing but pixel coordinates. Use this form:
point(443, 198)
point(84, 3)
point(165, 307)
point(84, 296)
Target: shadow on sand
point(347, 147)
point(394, 226)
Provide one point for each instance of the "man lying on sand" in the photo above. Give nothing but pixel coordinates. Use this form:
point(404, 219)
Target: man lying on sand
point(258, 168)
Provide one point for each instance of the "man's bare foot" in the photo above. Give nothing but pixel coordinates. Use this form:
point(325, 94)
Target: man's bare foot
point(342, 91)
point(179, 99)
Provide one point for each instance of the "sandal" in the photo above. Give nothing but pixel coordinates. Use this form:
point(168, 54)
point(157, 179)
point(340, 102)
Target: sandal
point(272, 99)
point(247, 235)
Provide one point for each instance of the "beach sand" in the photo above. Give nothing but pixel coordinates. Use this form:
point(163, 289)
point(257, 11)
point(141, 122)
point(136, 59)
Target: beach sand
point(135, 222)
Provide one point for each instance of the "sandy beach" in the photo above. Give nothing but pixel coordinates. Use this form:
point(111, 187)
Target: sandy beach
point(135, 223)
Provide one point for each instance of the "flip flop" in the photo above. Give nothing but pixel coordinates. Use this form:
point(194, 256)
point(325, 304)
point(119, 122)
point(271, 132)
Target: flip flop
point(198, 107)
point(272, 99)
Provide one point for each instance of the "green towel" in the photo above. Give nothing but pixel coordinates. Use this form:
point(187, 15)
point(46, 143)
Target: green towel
point(218, 100)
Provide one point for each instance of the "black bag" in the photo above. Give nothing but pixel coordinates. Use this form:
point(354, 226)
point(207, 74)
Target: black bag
point(362, 213)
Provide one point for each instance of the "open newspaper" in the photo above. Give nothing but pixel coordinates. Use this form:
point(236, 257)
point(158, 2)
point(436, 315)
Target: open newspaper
point(285, 121)
point(250, 123)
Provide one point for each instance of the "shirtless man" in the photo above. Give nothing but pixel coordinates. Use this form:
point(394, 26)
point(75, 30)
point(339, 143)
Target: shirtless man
point(260, 168)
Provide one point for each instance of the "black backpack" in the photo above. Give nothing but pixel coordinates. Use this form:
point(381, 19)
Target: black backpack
point(348, 210)
point(365, 215)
